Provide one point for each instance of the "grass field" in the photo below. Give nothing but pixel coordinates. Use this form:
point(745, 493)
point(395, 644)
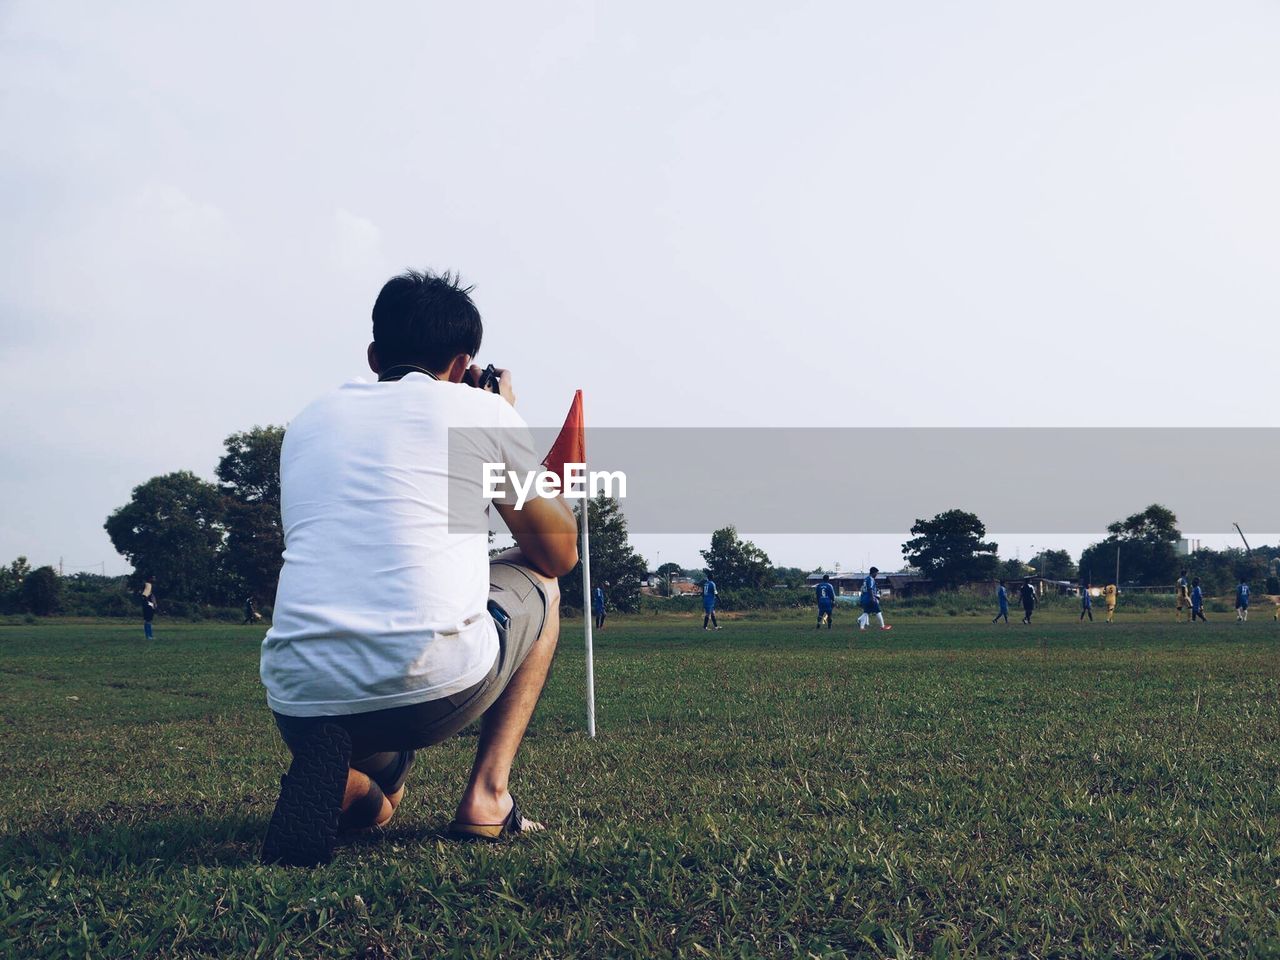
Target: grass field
point(946, 789)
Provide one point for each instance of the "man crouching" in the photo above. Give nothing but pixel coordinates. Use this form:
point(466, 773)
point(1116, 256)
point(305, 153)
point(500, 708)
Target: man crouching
point(392, 630)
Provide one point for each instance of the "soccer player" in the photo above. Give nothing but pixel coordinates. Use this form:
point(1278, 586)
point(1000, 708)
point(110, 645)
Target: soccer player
point(1028, 595)
point(1086, 601)
point(1002, 597)
point(871, 602)
point(148, 607)
point(826, 600)
point(598, 606)
point(1197, 601)
point(1242, 601)
point(1183, 596)
point(1109, 595)
point(709, 595)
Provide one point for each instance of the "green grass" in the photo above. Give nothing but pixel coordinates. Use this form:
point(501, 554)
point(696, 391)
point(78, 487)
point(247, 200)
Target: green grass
point(950, 788)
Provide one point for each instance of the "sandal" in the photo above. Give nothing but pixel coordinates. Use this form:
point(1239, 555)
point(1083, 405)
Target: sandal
point(304, 826)
point(513, 824)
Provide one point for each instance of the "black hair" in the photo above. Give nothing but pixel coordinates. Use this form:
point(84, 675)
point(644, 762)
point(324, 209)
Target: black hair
point(826, 577)
point(874, 570)
point(425, 319)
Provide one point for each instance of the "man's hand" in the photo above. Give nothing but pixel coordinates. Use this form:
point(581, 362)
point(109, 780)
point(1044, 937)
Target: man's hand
point(505, 390)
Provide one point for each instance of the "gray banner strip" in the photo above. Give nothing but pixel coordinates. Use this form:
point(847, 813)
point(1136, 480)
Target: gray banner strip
point(880, 480)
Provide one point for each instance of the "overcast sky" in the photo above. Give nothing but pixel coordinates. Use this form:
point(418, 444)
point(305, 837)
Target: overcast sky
point(722, 214)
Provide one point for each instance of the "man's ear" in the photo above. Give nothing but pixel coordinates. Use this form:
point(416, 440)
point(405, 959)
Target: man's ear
point(457, 368)
point(374, 364)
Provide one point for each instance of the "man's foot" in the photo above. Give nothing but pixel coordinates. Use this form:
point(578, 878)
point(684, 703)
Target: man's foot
point(512, 823)
point(304, 826)
point(887, 626)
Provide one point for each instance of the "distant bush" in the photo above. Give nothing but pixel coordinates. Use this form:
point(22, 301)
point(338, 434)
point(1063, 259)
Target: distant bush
point(951, 603)
point(199, 612)
point(736, 601)
point(93, 595)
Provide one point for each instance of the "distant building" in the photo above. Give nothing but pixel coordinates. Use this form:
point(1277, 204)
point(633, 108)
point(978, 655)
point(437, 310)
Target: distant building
point(655, 586)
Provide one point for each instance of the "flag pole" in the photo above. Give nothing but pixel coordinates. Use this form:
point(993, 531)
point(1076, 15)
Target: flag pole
point(570, 447)
point(586, 616)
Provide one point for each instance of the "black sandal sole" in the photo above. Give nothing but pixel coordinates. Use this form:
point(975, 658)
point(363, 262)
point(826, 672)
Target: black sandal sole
point(304, 826)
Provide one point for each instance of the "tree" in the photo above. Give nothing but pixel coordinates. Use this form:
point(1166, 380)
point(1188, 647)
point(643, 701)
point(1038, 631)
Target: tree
point(665, 574)
point(1056, 564)
point(613, 562)
point(1220, 570)
point(173, 528)
point(736, 564)
point(1156, 524)
point(250, 469)
point(792, 577)
point(1012, 569)
point(950, 549)
point(11, 578)
point(42, 592)
point(250, 475)
point(1145, 541)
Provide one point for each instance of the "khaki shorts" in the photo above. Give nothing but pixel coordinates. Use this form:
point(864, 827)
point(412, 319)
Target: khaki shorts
point(379, 738)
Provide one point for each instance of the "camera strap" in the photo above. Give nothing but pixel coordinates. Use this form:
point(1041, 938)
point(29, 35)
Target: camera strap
point(398, 371)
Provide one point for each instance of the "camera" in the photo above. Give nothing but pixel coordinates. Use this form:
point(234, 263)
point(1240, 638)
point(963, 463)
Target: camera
point(488, 379)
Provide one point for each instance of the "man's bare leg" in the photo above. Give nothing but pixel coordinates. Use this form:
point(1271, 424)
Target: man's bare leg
point(486, 799)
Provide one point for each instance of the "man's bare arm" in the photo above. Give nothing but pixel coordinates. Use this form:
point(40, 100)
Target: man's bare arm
point(545, 529)
point(547, 533)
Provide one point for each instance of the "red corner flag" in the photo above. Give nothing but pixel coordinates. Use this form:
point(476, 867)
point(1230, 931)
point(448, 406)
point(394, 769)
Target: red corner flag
point(571, 444)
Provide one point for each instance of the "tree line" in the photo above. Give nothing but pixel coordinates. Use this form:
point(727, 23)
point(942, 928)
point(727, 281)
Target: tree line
point(214, 544)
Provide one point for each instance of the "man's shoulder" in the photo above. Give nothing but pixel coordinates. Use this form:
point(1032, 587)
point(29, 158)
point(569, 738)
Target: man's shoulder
point(456, 405)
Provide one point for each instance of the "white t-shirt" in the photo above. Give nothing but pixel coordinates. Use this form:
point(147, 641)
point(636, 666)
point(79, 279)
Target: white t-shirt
point(380, 603)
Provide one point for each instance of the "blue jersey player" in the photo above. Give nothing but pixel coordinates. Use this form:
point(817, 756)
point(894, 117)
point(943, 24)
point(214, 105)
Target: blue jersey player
point(1002, 597)
point(871, 602)
point(709, 594)
point(598, 606)
point(1086, 601)
point(826, 600)
point(1242, 601)
point(1197, 602)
